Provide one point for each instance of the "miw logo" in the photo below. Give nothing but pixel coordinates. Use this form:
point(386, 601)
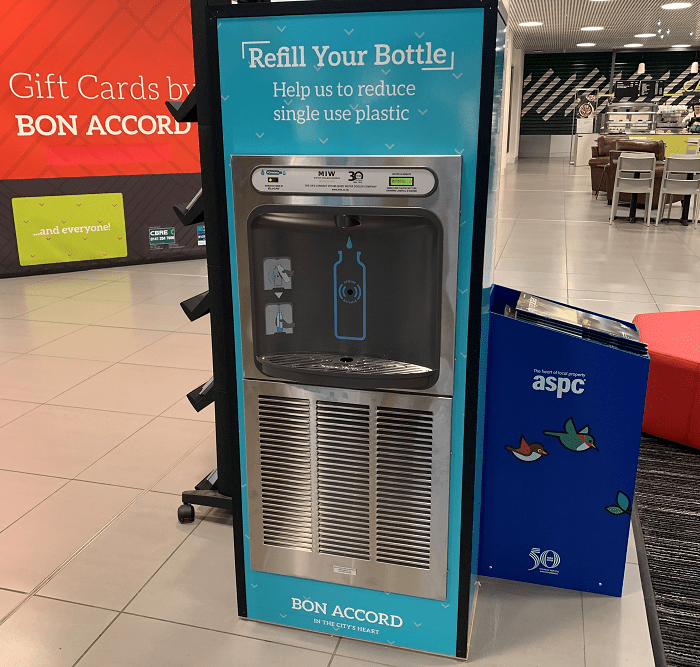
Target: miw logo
point(326, 173)
point(549, 560)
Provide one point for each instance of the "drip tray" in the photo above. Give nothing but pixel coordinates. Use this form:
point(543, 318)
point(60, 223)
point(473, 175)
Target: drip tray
point(357, 371)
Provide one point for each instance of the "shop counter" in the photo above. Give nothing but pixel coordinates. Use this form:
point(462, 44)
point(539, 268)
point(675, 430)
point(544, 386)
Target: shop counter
point(675, 143)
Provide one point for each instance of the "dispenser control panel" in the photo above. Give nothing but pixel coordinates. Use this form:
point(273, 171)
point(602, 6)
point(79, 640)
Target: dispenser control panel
point(346, 179)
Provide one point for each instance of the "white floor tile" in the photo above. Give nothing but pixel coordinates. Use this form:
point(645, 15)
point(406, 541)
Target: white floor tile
point(616, 629)
point(505, 636)
point(45, 537)
point(48, 632)
point(132, 640)
point(114, 567)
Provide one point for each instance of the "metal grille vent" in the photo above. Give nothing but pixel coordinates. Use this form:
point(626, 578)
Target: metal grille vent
point(285, 468)
point(404, 486)
point(343, 473)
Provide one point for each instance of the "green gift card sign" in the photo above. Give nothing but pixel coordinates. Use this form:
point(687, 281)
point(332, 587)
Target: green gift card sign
point(69, 228)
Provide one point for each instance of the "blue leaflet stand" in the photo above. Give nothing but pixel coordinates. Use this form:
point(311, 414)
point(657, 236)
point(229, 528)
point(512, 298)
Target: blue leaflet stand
point(556, 511)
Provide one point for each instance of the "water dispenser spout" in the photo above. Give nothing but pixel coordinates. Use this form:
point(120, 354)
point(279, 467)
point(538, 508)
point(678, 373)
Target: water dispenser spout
point(343, 221)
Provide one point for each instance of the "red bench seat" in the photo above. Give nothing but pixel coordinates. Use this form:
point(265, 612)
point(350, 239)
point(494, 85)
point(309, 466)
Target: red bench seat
point(672, 409)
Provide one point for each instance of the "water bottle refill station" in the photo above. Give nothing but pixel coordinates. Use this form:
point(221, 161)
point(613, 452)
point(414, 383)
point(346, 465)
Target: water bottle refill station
point(347, 416)
point(349, 207)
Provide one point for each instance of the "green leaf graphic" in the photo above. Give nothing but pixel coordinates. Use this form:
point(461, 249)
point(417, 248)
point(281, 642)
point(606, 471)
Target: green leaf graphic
point(623, 501)
point(614, 509)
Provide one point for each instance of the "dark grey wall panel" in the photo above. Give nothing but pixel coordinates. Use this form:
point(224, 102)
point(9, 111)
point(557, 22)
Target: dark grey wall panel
point(550, 82)
point(148, 202)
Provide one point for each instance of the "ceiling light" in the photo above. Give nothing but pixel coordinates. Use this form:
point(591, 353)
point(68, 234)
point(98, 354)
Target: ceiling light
point(587, 43)
point(530, 24)
point(645, 35)
point(590, 28)
point(677, 5)
point(681, 46)
point(632, 46)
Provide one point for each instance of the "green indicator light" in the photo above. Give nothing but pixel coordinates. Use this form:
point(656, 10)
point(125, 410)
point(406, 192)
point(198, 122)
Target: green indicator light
point(400, 180)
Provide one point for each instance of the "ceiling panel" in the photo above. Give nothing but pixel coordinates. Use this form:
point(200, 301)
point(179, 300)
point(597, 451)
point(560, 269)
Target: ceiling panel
point(621, 20)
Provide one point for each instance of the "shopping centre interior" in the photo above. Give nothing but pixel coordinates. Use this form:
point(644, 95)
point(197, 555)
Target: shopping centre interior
point(98, 441)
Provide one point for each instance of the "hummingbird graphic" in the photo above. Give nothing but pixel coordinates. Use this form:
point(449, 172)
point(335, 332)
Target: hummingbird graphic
point(574, 439)
point(527, 451)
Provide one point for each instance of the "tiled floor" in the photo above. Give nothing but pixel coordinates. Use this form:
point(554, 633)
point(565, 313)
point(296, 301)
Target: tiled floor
point(97, 442)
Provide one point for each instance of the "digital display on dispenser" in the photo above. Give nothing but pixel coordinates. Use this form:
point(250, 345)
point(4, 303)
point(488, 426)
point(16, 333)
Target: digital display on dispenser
point(401, 180)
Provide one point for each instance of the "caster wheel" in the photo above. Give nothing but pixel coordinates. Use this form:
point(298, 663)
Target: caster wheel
point(185, 514)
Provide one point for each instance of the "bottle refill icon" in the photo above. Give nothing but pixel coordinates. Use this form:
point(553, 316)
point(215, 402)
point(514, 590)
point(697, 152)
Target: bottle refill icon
point(349, 282)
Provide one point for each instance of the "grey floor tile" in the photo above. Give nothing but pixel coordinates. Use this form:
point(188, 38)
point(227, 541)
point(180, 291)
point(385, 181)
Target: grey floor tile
point(48, 632)
point(663, 287)
point(616, 629)
point(176, 350)
point(680, 300)
point(11, 410)
point(9, 600)
point(196, 586)
point(75, 311)
point(45, 537)
point(17, 285)
point(175, 295)
point(23, 336)
point(20, 493)
point(504, 634)
point(530, 280)
point(341, 661)
point(616, 309)
point(631, 549)
point(152, 279)
point(195, 467)
point(114, 567)
point(145, 390)
point(387, 655)
point(140, 459)
point(148, 316)
point(622, 297)
point(6, 356)
point(549, 264)
point(675, 307)
point(38, 379)
point(13, 305)
point(61, 441)
point(100, 343)
point(183, 409)
point(132, 641)
point(125, 292)
point(600, 284)
point(200, 326)
point(62, 288)
point(574, 258)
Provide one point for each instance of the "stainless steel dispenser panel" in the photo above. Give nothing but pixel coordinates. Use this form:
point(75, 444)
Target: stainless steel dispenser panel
point(435, 188)
point(349, 487)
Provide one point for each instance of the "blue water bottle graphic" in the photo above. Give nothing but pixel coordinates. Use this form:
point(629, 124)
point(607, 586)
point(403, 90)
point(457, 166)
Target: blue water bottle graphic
point(349, 279)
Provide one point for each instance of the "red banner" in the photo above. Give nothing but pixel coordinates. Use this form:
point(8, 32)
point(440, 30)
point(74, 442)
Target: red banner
point(83, 85)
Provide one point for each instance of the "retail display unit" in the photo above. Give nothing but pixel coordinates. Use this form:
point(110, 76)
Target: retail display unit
point(628, 117)
point(350, 171)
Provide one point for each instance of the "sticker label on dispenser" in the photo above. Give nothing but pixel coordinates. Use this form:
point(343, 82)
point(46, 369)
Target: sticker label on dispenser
point(278, 318)
point(277, 273)
point(347, 179)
